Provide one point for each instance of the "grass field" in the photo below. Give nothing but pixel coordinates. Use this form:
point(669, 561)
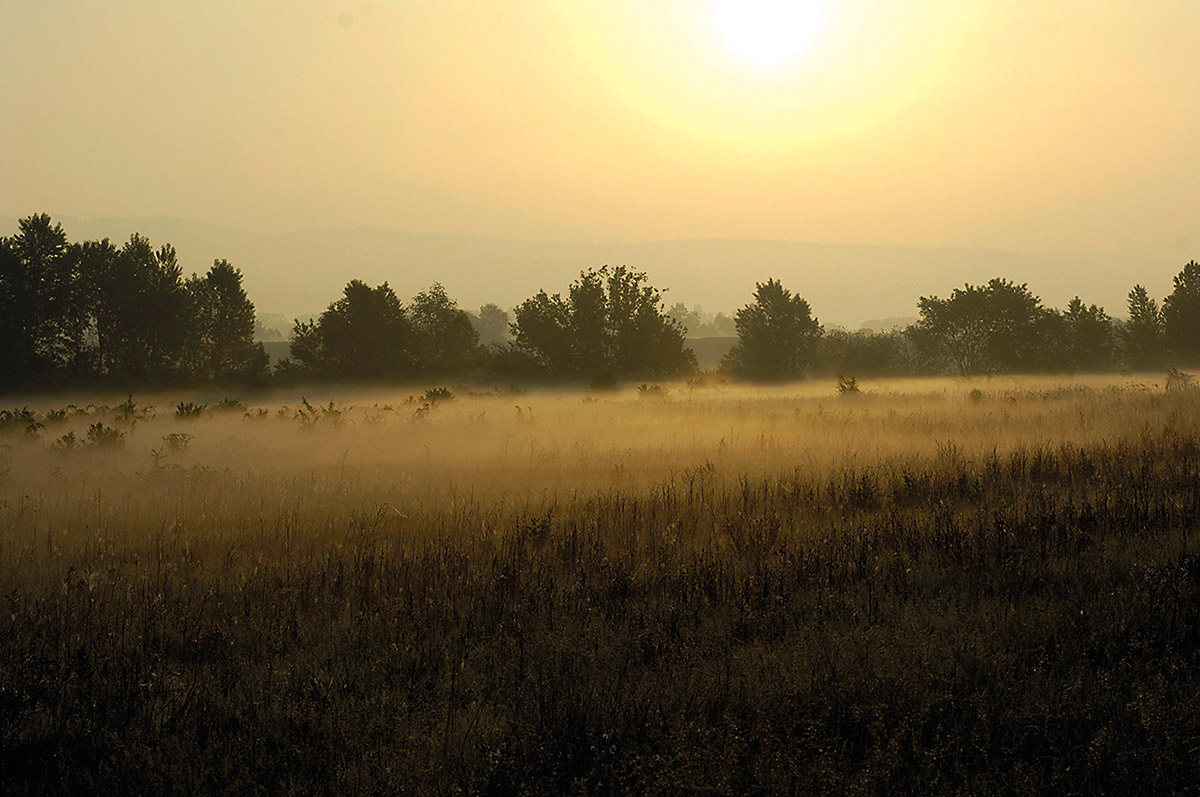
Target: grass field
point(954, 586)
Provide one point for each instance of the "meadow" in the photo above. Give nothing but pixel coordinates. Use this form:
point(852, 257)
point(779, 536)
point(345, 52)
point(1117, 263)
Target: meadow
point(945, 586)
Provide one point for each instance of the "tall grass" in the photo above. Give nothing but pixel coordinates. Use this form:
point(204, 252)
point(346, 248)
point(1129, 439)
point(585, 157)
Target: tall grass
point(917, 592)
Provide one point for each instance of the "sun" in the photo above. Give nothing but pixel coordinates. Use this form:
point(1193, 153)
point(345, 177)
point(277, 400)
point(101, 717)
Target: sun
point(768, 33)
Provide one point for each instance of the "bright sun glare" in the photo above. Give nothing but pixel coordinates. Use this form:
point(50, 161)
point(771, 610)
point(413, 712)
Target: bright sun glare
point(768, 33)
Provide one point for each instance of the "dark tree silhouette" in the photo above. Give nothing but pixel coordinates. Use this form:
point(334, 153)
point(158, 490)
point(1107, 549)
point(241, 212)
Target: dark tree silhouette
point(863, 352)
point(777, 335)
point(444, 339)
point(1181, 314)
point(16, 317)
point(141, 312)
point(35, 277)
point(221, 343)
point(306, 354)
point(364, 335)
point(1091, 342)
point(997, 327)
point(1142, 336)
point(542, 329)
point(611, 326)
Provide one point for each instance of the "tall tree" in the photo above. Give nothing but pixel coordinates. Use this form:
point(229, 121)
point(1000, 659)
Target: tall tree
point(1000, 326)
point(610, 326)
point(221, 343)
point(542, 330)
point(363, 335)
point(142, 310)
point(444, 339)
point(777, 335)
point(1142, 336)
point(16, 338)
point(1181, 314)
point(1091, 343)
point(35, 278)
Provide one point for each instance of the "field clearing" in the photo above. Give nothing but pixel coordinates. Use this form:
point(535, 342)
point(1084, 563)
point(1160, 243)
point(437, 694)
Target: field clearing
point(942, 586)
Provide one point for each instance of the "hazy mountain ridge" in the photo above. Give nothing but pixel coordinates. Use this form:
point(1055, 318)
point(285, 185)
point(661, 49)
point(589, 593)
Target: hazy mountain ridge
point(302, 272)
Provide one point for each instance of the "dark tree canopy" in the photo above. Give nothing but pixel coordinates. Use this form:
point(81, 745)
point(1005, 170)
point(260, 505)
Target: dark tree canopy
point(777, 335)
point(1142, 337)
point(143, 309)
point(222, 345)
point(1000, 326)
point(74, 312)
point(71, 313)
point(1181, 314)
point(369, 334)
point(35, 280)
point(610, 326)
point(363, 335)
point(1090, 339)
point(444, 339)
point(865, 352)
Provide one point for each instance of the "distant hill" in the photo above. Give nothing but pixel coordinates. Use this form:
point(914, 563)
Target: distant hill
point(302, 272)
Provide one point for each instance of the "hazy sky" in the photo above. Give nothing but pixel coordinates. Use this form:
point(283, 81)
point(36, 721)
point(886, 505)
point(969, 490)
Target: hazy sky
point(1030, 125)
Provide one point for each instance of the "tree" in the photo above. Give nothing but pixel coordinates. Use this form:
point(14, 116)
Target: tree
point(1142, 336)
point(777, 335)
point(16, 354)
point(444, 340)
point(542, 330)
point(865, 352)
point(1091, 344)
point(363, 335)
point(221, 342)
point(306, 354)
point(35, 282)
point(689, 319)
point(141, 309)
point(610, 326)
point(997, 327)
point(1181, 314)
point(492, 324)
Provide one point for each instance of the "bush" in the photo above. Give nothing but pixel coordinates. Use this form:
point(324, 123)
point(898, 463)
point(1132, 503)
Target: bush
point(185, 410)
point(847, 386)
point(100, 436)
point(437, 395)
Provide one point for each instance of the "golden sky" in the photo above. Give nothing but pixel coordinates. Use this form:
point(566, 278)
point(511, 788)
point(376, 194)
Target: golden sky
point(1029, 125)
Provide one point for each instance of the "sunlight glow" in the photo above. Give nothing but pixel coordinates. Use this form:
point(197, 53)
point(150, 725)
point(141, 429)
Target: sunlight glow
point(768, 33)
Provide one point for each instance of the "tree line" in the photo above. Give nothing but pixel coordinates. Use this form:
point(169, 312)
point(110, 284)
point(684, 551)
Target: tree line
point(92, 312)
point(74, 313)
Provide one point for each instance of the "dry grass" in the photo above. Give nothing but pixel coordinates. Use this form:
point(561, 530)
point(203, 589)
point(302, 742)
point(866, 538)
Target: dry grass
point(917, 588)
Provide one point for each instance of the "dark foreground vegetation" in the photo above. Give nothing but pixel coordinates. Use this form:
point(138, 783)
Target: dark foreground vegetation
point(1027, 622)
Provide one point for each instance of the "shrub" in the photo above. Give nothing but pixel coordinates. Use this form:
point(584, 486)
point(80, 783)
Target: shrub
point(436, 395)
point(187, 410)
point(230, 405)
point(100, 436)
point(65, 443)
point(177, 442)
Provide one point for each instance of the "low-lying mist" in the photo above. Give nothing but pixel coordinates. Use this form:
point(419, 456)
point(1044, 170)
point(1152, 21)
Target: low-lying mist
point(362, 448)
